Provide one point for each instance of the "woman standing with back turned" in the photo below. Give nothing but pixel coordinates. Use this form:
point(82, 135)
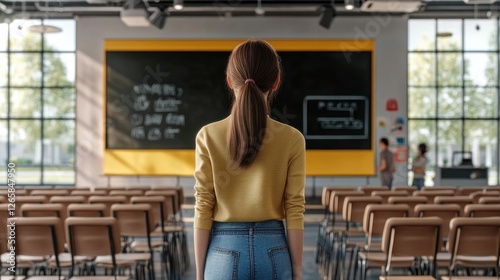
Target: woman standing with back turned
point(250, 175)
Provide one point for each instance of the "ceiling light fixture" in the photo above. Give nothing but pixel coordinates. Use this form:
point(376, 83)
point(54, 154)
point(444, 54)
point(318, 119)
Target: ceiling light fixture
point(178, 4)
point(328, 13)
point(349, 4)
point(135, 14)
point(158, 18)
point(259, 10)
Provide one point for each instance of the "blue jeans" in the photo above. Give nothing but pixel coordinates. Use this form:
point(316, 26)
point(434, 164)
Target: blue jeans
point(243, 251)
point(418, 182)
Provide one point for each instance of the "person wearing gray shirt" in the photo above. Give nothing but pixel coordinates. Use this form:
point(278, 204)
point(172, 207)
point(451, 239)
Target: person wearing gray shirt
point(386, 167)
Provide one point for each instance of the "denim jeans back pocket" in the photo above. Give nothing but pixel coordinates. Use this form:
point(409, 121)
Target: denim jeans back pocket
point(222, 264)
point(281, 264)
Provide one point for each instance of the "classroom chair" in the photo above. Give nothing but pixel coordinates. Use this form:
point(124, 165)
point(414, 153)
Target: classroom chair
point(38, 238)
point(461, 201)
point(99, 238)
point(136, 221)
point(65, 201)
point(431, 195)
point(440, 188)
point(42, 210)
point(466, 191)
point(108, 201)
point(408, 189)
point(386, 194)
point(326, 221)
point(474, 243)
point(445, 212)
point(87, 210)
point(22, 263)
point(374, 220)
point(127, 194)
point(409, 239)
point(369, 189)
point(482, 210)
point(478, 195)
point(50, 193)
point(411, 201)
point(489, 200)
point(353, 214)
point(20, 200)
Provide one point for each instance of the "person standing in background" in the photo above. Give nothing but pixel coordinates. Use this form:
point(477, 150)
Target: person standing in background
point(386, 167)
point(418, 166)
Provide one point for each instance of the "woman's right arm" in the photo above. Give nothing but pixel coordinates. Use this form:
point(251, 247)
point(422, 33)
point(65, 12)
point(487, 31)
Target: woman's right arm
point(205, 200)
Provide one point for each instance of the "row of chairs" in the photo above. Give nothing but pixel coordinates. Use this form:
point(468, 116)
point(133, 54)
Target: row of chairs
point(163, 211)
point(329, 231)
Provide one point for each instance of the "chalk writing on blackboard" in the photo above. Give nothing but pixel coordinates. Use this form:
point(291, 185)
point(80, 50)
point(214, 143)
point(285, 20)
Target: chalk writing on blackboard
point(336, 117)
point(154, 105)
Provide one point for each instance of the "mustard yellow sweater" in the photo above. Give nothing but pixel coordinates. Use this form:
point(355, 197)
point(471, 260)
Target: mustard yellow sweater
point(272, 188)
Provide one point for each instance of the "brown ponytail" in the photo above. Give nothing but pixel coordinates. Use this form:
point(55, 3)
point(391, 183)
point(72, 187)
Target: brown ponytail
point(253, 71)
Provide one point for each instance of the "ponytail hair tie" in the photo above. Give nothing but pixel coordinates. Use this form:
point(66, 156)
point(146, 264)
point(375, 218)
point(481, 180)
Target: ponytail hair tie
point(249, 81)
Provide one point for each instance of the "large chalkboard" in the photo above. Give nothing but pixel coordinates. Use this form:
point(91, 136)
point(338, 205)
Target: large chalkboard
point(160, 99)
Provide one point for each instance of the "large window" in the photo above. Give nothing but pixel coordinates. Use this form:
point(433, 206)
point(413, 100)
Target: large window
point(37, 102)
point(453, 91)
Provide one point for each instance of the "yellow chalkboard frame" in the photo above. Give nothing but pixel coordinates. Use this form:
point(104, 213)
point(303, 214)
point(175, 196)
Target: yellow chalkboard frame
point(182, 162)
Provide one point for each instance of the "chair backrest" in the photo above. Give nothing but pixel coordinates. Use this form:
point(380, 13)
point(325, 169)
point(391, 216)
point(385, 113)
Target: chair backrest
point(368, 189)
point(127, 194)
point(29, 189)
point(101, 189)
point(92, 237)
point(140, 188)
point(43, 210)
point(489, 200)
point(411, 201)
point(171, 200)
point(430, 195)
point(325, 195)
point(20, 200)
point(134, 220)
point(461, 201)
point(445, 212)
point(4, 232)
point(491, 188)
point(87, 210)
point(466, 191)
point(386, 194)
point(179, 190)
point(478, 195)
point(65, 201)
point(440, 188)
point(411, 237)
point(39, 236)
point(474, 237)
point(375, 217)
point(482, 210)
point(50, 193)
point(354, 207)
point(408, 189)
point(4, 191)
point(108, 201)
point(157, 206)
point(88, 193)
point(337, 198)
